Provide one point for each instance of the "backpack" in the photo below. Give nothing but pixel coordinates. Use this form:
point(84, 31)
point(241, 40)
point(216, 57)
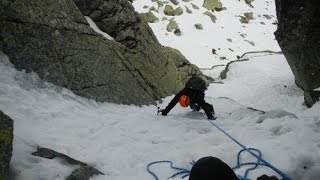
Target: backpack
point(196, 83)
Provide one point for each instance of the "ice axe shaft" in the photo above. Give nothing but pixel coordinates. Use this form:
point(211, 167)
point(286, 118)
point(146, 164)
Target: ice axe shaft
point(159, 110)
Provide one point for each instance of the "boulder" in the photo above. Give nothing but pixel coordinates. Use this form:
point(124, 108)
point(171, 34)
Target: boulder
point(178, 11)
point(172, 25)
point(212, 16)
point(168, 10)
point(6, 137)
point(298, 35)
point(212, 4)
point(188, 10)
point(249, 2)
point(194, 6)
point(246, 17)
point(150, 17)
point(198, 26)
point(177, 32)
point(84, 172)
point(175, 2)
point(53, 39)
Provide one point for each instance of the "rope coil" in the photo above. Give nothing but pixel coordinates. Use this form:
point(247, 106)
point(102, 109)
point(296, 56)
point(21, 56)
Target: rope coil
point(254, 152)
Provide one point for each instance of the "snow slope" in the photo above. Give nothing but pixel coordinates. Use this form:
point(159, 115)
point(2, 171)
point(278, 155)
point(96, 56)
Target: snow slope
point(121, 140)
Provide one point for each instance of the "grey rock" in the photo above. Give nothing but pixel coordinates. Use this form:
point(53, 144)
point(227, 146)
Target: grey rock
point(6, 137)
point(177, 32)
point(188, 10)
point(298, 35)
point(175, 2)
point(249, 2)
point(250, 42)
point(267, 16)
point(214, 51)
point(172, 25)
point(84, 172)
point(198, 26)
point(53, 39)
point(311, 97)
point(178, 11)
point(51, 154)
point(153, 9)
point(212, 16)
point(194, 6)
point(168, 10)
point(212, 4)
point(246, 18)
point(150, 17)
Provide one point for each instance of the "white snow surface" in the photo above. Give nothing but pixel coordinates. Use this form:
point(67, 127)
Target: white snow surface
point(96, 28)
point(120, 140)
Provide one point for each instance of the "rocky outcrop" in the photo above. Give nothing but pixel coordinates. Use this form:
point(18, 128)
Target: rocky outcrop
point(155, 62)
point(298, 35)
point(150, 17)
point(84, 172)
point(6, 137)
point(53, 39)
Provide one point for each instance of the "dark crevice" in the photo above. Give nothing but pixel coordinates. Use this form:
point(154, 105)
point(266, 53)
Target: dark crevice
point(183, 65)
point(89, 87)
point(133, 74)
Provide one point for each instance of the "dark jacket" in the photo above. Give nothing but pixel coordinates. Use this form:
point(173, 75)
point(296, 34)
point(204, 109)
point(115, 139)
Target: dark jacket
point(210, 168)
point(196, 97)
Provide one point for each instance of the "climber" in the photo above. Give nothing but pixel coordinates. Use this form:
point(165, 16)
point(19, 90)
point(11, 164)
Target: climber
point(192, 95)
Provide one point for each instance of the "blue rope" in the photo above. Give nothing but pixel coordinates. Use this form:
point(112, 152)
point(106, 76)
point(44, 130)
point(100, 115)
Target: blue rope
point(254, 152)
point(186, 172)
point(255, 164)
point(251, 151)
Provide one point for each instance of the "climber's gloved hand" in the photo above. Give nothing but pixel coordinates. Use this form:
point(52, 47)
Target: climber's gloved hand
point(164, 112)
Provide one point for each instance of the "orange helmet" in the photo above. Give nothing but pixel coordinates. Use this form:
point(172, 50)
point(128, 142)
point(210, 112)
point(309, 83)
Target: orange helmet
point(184, 101)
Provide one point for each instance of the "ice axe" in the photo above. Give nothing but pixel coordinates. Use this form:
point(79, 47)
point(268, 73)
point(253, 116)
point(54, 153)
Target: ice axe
point(159, 110)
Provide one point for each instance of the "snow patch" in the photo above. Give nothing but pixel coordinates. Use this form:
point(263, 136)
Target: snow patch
point(96, 29)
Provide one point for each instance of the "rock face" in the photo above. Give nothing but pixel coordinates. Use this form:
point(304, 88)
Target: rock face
point(53, 39)
point(298, 35)
point(6, 136)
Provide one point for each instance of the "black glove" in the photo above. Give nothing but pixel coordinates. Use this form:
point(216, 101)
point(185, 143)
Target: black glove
point(164, 112)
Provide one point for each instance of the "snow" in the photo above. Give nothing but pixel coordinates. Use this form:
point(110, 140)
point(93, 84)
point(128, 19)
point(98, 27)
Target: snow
point(120, 140)
point(196, 45)
point(96, 28)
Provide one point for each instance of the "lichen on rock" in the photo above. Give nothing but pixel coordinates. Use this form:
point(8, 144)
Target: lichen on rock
point(212, 16)
point(212, 4)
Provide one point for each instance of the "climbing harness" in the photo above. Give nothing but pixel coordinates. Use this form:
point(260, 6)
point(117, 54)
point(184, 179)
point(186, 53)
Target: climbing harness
point(254, 152)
